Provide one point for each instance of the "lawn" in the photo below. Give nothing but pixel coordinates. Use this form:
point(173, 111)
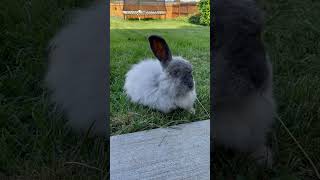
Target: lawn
point(35, 142)
point(33, 138)
point(129, 45)
point(292, 37)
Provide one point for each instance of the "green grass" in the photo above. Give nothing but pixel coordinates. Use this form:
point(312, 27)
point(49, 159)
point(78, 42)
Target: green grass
point(292, 38)
point(129, 45)
point(33, 138)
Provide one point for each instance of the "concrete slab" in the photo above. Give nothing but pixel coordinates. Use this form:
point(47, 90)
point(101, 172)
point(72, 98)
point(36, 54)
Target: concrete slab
point(178, 152)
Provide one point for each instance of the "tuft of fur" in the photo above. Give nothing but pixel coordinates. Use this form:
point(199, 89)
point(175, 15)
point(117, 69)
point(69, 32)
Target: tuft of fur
point(243, 104)
point(164, 87)
point(77, 74)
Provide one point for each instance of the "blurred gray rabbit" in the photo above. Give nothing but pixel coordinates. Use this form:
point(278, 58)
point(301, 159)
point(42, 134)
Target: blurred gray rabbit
point(77, 71)
point(164, 85)
point(243, 106)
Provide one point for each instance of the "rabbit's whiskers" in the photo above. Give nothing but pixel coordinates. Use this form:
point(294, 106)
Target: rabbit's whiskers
point(203, 107)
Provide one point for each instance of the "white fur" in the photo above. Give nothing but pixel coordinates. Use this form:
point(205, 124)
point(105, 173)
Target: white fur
point(77, 69)
point(140, 86)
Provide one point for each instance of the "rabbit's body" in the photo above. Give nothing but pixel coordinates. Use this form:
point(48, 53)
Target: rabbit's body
point(77, 72)
point(243, 104)
point(154, 88)
point(151, 84)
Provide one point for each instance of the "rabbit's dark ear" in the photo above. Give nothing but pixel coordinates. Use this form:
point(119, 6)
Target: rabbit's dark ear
point(160, 49)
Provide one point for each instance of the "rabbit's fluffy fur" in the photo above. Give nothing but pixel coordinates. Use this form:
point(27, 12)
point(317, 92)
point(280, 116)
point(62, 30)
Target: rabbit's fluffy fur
point(164, 84)
point(243, 105)
point(146, 83)
point(77, 73)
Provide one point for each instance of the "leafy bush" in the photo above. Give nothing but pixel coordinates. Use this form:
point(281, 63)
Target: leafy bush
point(204, 8)
point(194, 19)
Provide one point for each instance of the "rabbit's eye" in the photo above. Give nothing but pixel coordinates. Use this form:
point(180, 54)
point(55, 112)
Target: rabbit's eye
point(175, 73)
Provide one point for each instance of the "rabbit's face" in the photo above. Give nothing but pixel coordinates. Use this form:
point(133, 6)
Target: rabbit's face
point(180, 71)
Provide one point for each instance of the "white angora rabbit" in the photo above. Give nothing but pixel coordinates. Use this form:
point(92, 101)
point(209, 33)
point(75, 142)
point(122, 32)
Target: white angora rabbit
point(164, 84)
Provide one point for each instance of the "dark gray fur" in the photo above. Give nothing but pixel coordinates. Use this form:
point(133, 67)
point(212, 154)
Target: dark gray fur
point(239, 52)
point(243, 105)
point(181, 72)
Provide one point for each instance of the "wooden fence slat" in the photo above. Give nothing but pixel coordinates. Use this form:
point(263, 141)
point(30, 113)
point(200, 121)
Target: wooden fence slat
point(173, 10)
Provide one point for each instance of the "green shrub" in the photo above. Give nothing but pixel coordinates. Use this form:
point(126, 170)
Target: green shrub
point(204, 8)
point(194, 19)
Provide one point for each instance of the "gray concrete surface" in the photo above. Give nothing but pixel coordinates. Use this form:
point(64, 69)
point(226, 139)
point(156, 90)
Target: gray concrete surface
point(179, 152)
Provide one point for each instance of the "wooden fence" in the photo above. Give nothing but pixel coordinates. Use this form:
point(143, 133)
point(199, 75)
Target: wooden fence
point(174, 9)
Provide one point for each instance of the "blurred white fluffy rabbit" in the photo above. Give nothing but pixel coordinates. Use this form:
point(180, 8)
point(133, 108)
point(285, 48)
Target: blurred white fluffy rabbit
point(77, 71)
point(164, 84)
point(243, 104)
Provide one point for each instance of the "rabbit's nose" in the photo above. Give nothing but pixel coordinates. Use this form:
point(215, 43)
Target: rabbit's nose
point(190, 85)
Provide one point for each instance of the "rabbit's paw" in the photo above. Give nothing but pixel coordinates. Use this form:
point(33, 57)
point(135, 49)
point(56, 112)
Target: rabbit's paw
point(192, 111)
point(263, 156)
